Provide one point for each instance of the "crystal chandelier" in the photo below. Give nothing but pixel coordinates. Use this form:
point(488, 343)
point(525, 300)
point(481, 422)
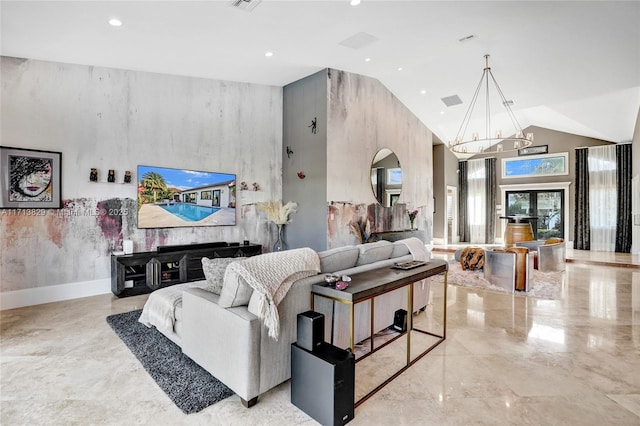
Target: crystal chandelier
point(490, 143)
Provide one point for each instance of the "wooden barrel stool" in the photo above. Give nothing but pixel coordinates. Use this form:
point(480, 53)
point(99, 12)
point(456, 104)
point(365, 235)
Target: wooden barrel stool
point(517, 232)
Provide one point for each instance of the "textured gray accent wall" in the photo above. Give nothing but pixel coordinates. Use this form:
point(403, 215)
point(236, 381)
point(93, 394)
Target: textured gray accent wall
point(304, 101)
point(356, 117)
point(364, 117)
point(117, 119)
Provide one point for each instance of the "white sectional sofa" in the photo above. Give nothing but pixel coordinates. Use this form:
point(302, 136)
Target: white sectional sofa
point(223, 334)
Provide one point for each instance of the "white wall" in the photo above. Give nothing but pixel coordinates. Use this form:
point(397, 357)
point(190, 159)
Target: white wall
point(117, 119)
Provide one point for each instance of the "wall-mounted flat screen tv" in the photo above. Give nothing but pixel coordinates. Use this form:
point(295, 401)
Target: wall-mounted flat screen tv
point(170, 198)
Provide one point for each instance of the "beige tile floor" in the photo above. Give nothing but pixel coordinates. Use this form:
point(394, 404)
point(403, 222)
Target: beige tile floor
point(507, 359)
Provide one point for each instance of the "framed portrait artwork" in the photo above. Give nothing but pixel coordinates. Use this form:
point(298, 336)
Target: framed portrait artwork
point(30, 178)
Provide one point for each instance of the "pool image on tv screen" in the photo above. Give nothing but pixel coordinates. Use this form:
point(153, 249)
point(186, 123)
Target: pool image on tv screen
point(170, 198)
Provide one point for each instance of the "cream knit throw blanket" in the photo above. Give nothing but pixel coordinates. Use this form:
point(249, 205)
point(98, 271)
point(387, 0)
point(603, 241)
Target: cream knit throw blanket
point(417, 249)
point(272, 275)
point(419, 252)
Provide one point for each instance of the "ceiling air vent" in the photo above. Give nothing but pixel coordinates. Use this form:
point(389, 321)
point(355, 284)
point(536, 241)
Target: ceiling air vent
point(452, 100)
point(359, 40)
point(247, 5)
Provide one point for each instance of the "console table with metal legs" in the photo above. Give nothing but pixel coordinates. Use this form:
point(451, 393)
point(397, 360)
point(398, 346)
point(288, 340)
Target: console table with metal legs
point(367, 286)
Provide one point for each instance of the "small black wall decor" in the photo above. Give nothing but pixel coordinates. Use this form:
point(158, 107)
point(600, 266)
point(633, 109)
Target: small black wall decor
point(314, 125)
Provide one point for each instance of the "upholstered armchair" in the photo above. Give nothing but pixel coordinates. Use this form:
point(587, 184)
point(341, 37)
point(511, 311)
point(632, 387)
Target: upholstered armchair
point(510, 269)
point(549, 255)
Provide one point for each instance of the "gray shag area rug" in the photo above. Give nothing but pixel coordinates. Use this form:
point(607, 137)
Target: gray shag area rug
point(187, 384)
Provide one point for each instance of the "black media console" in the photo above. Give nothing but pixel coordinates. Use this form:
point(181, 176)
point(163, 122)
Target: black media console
point(140, 273)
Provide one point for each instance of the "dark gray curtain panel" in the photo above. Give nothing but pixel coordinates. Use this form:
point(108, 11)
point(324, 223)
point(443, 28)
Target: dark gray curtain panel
point(463, 224)
point(623, 219)
point(581, 223)
point(490, 192)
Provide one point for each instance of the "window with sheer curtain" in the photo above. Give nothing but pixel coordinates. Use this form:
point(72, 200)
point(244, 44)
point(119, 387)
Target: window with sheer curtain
point(476, 200)
point(602, 197)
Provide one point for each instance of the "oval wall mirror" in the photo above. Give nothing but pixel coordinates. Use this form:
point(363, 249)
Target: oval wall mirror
point(386, 177)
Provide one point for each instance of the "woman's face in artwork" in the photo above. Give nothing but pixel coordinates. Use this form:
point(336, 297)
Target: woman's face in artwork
point(36, 182)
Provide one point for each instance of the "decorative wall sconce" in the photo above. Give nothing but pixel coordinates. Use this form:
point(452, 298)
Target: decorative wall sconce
point(289, 152)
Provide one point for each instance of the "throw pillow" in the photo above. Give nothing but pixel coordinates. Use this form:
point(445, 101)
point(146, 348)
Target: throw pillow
point(399, 249)
point(235, 291)
point(374, 252)
point(553, 240)
point(214, 272)
point(338, 259)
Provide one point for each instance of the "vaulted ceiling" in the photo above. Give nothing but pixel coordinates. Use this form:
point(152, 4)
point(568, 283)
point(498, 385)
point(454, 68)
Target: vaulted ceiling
point(570, 66)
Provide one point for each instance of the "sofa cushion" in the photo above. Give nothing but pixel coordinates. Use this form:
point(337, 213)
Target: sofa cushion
point(374, 252)
point(338, 259)
point(214, 272)
point(399, 249)
point(553, 240)
point(235, 292)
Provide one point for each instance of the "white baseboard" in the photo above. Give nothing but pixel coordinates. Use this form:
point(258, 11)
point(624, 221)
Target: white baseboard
point(54, 293)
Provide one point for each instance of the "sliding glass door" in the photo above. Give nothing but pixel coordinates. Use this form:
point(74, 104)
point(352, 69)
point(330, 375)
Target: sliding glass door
point(547, 206)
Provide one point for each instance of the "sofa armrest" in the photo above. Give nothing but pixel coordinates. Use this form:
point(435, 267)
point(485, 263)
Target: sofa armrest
point(225, 342)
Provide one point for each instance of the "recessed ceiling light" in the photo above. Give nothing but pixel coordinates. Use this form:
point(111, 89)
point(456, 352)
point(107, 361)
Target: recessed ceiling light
point(399, 68)
point(268, 54)
point(354, 2)
point(424, 92)
point(441, 112)
point(367, 59)
point(115, 22)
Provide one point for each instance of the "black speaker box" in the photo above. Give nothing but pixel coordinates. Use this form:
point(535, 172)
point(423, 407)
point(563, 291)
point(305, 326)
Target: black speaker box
point(400, 320)
point(310, 330)
point(323, 383)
